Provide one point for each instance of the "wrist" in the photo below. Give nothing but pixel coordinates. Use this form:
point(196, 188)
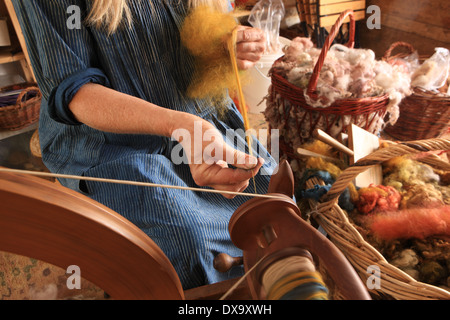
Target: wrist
point(181, 120)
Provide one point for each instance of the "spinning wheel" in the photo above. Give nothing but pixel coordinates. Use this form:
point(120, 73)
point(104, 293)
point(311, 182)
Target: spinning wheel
point(51, 223)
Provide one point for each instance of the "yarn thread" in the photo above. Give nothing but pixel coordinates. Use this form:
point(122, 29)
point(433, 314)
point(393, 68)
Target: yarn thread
point(294, 278)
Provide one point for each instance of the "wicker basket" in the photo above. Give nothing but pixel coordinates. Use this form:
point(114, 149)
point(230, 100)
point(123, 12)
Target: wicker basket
point(22, 114)
point(395, 284)
point(290, 110)
point(424, 114)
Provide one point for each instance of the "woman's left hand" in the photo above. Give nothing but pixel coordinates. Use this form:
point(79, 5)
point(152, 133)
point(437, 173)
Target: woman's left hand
point(250, 46)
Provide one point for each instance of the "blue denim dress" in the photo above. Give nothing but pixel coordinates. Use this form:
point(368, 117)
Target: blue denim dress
point(149, 62)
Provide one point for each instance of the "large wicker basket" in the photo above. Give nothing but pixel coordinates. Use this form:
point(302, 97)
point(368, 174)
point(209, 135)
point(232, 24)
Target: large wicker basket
point(24, 113)
point(424, 114)
point(395, 284)
point(288, 109)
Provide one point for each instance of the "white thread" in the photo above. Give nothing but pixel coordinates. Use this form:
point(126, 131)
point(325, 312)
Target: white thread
point(136, 183)
point(242, 279)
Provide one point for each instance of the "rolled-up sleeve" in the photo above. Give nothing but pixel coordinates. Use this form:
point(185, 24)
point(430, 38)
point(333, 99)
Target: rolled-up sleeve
point(63, 57)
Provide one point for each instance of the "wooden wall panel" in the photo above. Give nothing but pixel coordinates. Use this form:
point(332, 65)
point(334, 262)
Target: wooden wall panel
point(423, 23)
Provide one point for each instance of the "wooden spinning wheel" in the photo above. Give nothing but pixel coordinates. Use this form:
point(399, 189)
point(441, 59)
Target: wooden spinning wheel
point(48, 222)
point(272, 229)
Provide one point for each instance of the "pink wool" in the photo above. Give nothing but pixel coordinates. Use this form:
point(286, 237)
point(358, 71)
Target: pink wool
point(298, 46)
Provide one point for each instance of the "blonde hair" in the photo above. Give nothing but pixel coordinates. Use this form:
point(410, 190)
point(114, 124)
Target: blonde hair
point(111, 13)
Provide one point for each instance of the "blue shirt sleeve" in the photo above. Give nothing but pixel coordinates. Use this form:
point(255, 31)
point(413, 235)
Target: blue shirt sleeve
point(62, 95)
point(63, 57)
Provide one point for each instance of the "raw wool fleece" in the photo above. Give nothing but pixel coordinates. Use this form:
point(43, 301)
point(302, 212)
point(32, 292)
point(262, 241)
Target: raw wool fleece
point(419, 185)
point(204, 33)
point(347, 73)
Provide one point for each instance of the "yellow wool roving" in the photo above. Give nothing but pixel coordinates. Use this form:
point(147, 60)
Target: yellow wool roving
point(205, 33)
point(319, 147)
point(334, 170)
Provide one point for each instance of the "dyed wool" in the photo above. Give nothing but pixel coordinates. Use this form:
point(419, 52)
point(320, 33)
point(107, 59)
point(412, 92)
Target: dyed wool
point(402, 172)
point(299, 286)
point(319, 147)
point(417, 182)
point(377, 198)
point(204, 34)
point(417, 223)
point(322, 165)
point(334, 171)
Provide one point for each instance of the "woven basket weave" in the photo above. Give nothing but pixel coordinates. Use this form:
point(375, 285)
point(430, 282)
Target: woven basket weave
point(395, 283)
point(424, 114)
point(22, 114)
point(291, 111)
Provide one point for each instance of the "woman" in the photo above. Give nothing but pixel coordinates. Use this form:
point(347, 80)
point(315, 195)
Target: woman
point(114, 92)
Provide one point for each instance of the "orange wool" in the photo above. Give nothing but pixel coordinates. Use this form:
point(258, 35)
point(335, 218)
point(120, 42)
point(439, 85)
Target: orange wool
point(377, 198)
point(418, 223)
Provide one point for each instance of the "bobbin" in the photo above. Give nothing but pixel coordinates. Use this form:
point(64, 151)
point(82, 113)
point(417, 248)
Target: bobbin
point(268, 261)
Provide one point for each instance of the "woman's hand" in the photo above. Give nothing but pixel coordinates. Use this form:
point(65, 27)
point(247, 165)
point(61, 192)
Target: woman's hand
point(250, 46)
point(209, 156)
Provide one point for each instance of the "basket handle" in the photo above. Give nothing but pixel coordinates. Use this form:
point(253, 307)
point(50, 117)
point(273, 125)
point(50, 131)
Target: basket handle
point(22, 98)
point(328, 42)
point(395, 45)
point(378, 157)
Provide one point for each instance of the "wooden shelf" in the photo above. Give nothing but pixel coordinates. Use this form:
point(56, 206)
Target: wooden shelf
point(6, 57)
point(5, 134)
point(20, 55)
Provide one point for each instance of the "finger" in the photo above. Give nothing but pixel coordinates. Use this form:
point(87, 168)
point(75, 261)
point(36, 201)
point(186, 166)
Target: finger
point(248, 34)
point(222, 164)
point(252, 56)
point(239, 159)
point(230, 176)
point(250, 49)
point(209, 175)
point(245, 64)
